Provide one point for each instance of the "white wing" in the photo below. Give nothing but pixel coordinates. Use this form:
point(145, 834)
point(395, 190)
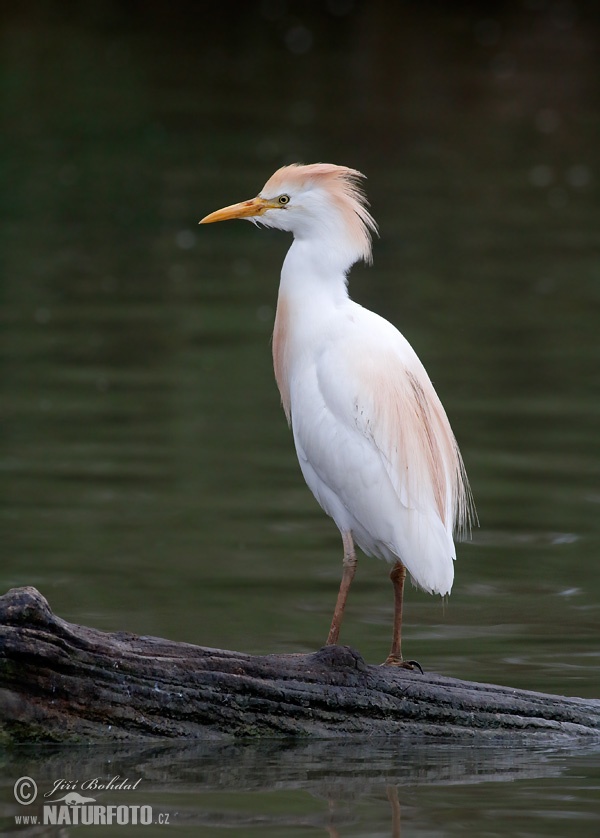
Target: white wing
point(377, 450)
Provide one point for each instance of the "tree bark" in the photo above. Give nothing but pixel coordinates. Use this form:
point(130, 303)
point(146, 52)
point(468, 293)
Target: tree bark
point(62, 682)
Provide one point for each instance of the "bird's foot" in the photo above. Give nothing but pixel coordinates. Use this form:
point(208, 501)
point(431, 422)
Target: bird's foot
point(395, 660)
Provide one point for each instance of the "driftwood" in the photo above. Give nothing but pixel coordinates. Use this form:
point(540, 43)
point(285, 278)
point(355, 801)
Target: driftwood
point(61, 682)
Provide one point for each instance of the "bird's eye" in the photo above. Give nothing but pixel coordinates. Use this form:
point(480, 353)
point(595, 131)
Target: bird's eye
point(283, 200)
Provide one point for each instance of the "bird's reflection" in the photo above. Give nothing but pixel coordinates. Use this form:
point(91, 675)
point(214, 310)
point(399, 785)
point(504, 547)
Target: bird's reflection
point(392, 796)
point(324, 786)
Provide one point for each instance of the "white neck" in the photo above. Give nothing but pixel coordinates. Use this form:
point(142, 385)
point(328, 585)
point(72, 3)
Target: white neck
point(312, 290)
point(314, 274)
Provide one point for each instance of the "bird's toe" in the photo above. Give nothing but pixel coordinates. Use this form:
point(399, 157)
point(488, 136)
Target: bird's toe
point(394, 660)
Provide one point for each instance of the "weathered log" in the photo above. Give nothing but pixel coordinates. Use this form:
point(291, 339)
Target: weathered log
point(67, 683)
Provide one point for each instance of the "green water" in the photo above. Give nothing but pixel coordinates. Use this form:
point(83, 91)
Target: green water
point(149, 481)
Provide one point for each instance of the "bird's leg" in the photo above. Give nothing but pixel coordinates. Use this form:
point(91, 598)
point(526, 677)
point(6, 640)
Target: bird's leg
point(398, 575)
point(347, 577)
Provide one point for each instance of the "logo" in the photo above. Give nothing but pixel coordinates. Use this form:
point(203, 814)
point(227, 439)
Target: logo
point(73, 799)
point(25, 791)
point(74, 808)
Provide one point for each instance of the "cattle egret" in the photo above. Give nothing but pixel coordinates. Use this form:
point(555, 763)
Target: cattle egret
point(372, 438)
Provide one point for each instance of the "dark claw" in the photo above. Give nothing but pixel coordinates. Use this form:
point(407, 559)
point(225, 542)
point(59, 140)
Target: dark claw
point(412, 665)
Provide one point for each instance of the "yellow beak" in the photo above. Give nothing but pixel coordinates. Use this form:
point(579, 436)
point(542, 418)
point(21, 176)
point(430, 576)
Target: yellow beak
point(246, 209)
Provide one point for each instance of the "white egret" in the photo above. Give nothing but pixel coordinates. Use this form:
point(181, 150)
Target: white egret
point(373, 440)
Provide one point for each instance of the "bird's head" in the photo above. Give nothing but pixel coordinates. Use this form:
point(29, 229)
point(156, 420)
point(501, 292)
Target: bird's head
point(321, 201)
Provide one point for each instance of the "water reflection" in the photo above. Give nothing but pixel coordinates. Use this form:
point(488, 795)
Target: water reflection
point(321, 787)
